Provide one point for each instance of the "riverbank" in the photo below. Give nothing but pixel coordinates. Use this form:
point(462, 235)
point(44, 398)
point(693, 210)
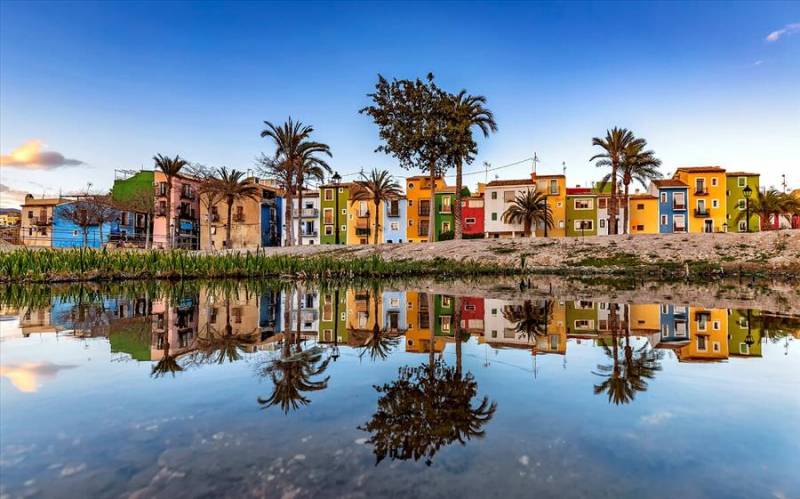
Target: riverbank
point(663, 256)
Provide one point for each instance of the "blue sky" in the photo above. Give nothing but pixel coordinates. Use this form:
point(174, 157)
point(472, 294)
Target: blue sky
point(111, 84)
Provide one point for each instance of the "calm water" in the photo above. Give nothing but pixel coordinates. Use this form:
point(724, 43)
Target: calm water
point(249, 390)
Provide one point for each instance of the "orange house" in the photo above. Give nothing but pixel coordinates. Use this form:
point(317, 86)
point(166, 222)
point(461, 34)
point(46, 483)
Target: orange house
point(418, 193)
point(707, 197)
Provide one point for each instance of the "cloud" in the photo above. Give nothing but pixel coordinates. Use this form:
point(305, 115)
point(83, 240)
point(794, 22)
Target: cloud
point(11, 198)
point(656, 418)
point(785, 31)
point(30, 156)
point(758, 63)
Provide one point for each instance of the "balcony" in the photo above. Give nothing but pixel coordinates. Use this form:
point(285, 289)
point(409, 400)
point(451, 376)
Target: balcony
point(214, 217)
point(393, 213)
point(701, 191)
point(362, 231)
point(424, 211)
point(306, 213)
point(362, 223)
point(701, 212)
point(186, 214)
point(446, 209)
point(679, 207)
point(238, 217)
point(309, 233)
point(41, 221)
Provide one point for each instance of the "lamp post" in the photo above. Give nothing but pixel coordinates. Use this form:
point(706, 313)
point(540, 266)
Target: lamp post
point(747, 191)
point(336, 179)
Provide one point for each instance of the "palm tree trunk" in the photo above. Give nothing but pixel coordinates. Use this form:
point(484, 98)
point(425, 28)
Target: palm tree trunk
point(458, 228)
point(168, 214)
point(288, 216)
point(210, 246)
point(457, 320)
point(431, 316)
point(148, 219)
point(299, 313)
point(377, 219)
point(432, 214)
point(625, 213)
point(300, 212)
point(229, 202)
point(612, 209)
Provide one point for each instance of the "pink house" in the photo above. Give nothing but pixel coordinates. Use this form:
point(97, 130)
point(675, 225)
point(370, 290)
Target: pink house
point(184, 221)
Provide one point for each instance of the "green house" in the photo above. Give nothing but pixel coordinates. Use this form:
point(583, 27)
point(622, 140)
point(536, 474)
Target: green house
point(444, 218)
point(744, 333)
point(333, 213)
point(582, 317)
point(737, 183)
point(129, 189)
point(581, 213)
point(333, 317)
point(443, 312)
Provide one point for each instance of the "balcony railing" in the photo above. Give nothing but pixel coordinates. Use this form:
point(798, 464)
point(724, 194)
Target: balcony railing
point(309, 233)
point(446, 209)
point(424, 211)
point(42, 221)
point(362, 231)
point(238, 217)
point(393, 213)
point(701, 191)
point(678, 228)
point(679, 207)
point(306, 213)
point(701, 212)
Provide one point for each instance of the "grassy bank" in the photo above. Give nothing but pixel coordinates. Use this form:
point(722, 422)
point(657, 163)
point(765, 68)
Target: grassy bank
point(97, 265)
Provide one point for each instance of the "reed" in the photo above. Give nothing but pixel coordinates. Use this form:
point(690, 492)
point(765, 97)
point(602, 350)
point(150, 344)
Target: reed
point(99, 265)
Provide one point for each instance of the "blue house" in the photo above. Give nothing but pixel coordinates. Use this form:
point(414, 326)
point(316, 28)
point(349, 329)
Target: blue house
point(68, 234)
point(269, 314)
point(672, 197)
point(674, 321)
point(395, 221)
point(394, 311)
point(271, 219)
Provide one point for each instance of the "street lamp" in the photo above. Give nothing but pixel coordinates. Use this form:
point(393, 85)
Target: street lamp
point(336, 179)
point(747, 191)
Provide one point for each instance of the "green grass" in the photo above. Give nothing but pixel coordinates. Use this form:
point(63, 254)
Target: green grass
point(89, 264)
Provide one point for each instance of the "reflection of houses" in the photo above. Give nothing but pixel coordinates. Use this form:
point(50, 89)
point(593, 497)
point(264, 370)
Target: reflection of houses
point(418, 335)
point(364, 312)
point(539, 325)
point(174, 327)
point(333, 317)
point(472, 311)
point(674, 326)
point(308, 302)
point(269, 321)
point(744, 333)
point(394, 311)
point(708, 336)
point(37, 320)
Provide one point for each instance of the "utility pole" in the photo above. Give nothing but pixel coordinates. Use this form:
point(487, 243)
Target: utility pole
point(535, 160)
point(486, 166)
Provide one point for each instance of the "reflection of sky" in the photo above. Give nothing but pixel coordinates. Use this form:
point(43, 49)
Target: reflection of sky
point(107, 421)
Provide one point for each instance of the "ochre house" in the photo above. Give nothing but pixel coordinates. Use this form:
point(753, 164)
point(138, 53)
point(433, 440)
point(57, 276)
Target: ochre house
point(418, 193)
point(643, 210)
point(707, 201)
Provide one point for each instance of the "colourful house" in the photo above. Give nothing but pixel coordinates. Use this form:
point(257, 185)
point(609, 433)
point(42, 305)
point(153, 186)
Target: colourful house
point(444, 309)
point(472, 312)
point(67, 234)
point(674, 325)
point(555, 188)
point(181, 228)
point(472, 213)
point(418, 193)
point(394, 312)
point(737, 201)
point(333, 317)
point(581, 212)
point(672, 197)
point(395, 220)
point(361, 218)
point(643, 210)
point(744, 333)
point(708, 336)
point(707, 201)
point(37, 221)
point(333, 213)
point(443, 214)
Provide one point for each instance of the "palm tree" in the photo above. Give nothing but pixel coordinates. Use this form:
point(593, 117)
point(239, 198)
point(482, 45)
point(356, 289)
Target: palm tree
point(210, 198)
point(379, 186)
point(309, 167)
point(470, 111)
point(292, 145)
point(231, 187)
point(614, 145)
point(219, 346)
point(167, 364)
point(637, 164)
point(530, 209)
point(771, 202)
point(171, 168)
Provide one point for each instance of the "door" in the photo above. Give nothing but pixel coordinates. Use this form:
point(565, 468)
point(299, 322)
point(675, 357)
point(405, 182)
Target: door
point(708, 226)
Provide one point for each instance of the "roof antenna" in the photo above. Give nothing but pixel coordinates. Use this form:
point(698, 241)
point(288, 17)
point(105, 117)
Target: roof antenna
point(486, 166)
point(535, 160)
point(564, 168)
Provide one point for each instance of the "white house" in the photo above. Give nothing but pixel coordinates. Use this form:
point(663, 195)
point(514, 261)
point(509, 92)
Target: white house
point(305, 219)
point(498, 197)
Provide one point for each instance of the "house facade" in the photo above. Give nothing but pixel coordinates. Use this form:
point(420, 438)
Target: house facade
point(555, 188)
point(499, 196)
point(67, 234)
point(672, 204)
point(333, 213)
point(394, 312)
point(361, 224)
point(472, 214)
point(135, 191)
point(36, 226)
point(443, 213)
point(306, 218)
point(395, 220)
point(737, 202)
point(182, 226)
point(643, 214)
point(707, 208)
point(581, 212)
point(603, 203)
point(418, 194)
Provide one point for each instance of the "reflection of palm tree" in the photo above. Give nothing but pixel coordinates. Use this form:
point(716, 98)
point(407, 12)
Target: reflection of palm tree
point(424, 409)
point(531, 319)
point(626, 376)
point(292, 375)
point(217, 347)
point(167, 364)
point(381, 342)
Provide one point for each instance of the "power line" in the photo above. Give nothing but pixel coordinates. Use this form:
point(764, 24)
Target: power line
point(476, 172)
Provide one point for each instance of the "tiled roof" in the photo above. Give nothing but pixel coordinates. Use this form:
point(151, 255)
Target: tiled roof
point(742, 174)
point(500, 183)
point(701, 169)
point(44, 201)
point(642, 196)
point(669, 182)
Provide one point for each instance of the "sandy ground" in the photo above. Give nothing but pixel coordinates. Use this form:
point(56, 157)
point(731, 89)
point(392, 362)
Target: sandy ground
point(772, 250)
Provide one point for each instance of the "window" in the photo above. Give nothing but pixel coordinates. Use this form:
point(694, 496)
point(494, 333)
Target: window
point(124, 218)
point(74, 232)
point(715, 325)
point(343, 228)
point(494, 216)
point(446, 206)
point(584, 324)
point(553, 186)
point(410, 222)
point(640, 227)
point(422, 228)
point(363, 210)
point(602, 203)
point(741, 181)
point(446, 301)
point(679, 200)
point(584, 225)
point(701, 343)
point(213, 231)
point(445, 226)
point(394, 226)
point(509, 196)
point(602, 223)
point(700, 185)
point(663, 198)
point(640, 206)
point(494, 194)
point(394, 208)
point(327, 215)
point(560, 224)
point(469, 220)
point(741, 205)
point(410, 203)
point(742, 226)
point(583, 204)
point(411, 186)
point(715, 203)
point(469, 307)
point(713, 181)
point(344, 211)
point(494, 311)
point(663, 220)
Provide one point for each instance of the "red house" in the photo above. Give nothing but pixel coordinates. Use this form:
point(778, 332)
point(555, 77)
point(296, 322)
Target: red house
point(472, 214)
point(472, 314)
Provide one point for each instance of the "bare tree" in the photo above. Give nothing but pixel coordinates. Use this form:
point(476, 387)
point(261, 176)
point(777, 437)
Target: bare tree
point(88, 212)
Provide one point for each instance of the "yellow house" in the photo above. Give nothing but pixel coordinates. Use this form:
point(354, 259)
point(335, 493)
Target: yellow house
point(645, 319)
point(418, 193)
point(418, 334)
point(9, 217)
point(707, 200)
point(708, 335)
point(555, 186)
point(361, 218)
point(643, 212)
point(364, 312)
point(555, 338)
